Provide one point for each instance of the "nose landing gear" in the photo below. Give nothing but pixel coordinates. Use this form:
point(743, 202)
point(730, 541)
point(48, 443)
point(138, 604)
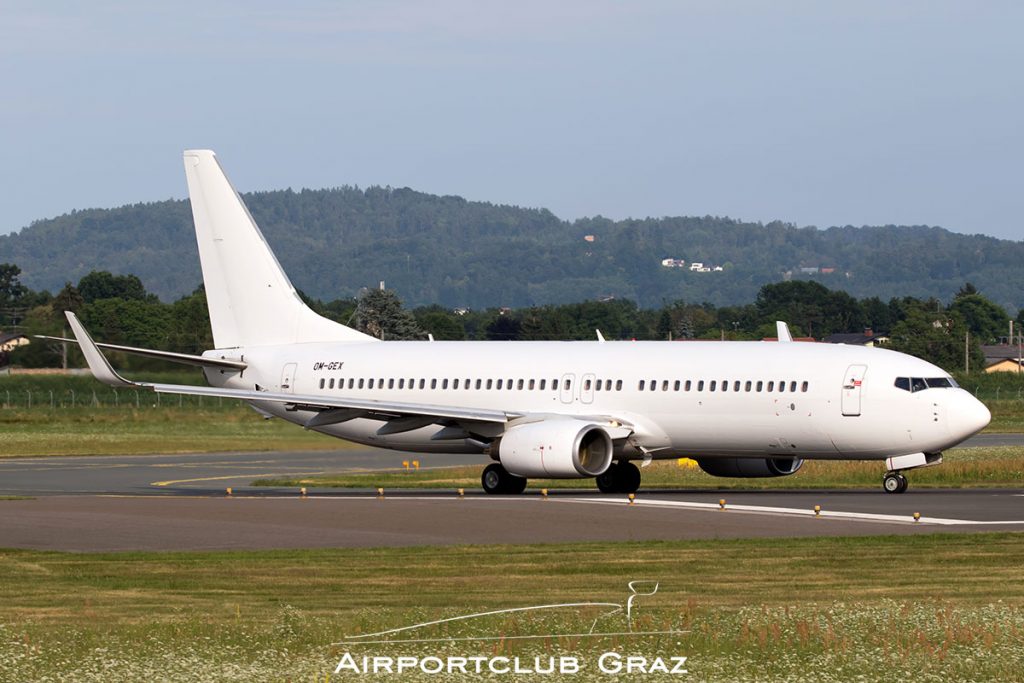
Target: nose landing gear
point(894, 482)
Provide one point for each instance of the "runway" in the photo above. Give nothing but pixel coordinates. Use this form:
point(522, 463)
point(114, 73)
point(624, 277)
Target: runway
point(178, 502)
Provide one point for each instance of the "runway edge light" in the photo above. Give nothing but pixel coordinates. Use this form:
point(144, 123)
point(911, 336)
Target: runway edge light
point(721, 503)
point(917, 516)
point(817, 511)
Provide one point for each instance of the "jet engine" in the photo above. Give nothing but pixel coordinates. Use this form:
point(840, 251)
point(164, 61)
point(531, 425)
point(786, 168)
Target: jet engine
point(558, 448)
point(750, 467)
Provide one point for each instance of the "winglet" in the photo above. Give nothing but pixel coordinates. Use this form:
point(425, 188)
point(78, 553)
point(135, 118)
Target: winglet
point(783, 331)
point(98, 364)
point(600, 337)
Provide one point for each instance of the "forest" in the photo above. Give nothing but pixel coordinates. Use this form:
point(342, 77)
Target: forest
point(119, 309)
point(448, 251)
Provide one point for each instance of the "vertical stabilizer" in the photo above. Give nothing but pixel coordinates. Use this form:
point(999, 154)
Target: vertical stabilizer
point(251, 300)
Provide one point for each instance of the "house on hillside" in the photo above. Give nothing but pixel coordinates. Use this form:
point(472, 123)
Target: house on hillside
point(865, 338)
point(1002, 358)
point(8, 342)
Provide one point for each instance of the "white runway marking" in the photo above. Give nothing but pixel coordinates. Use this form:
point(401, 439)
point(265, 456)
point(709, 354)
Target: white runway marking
point(649, 502)
point(802, 512)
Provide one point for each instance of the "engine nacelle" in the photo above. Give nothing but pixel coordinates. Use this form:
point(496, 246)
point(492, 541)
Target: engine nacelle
point(750, 467)
point(557, 448)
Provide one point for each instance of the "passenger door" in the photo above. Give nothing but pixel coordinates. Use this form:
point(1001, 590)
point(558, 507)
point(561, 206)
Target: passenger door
point(288, 378)
point(852, 389)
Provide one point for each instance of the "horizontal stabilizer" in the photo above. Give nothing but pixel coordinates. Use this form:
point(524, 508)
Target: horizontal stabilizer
point(170, 356)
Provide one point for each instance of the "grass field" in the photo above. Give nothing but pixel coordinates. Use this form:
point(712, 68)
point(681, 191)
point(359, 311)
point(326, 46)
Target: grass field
point(930, 607)
point(965, 467)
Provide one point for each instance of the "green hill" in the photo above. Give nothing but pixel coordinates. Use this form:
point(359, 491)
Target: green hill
point(455, 252)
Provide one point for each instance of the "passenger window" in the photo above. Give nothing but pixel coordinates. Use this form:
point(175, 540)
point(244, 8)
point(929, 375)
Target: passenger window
point(771, 387)
point(361, 380)
point(687, 385)
point(782, 387)
point(725, 385)
point(370, 384)
point(700, 385)
point(760, 386)
point(675, 387)
point(803, 387)
point(455, 383)
point(490, 384)
point(746, 387)
point(653, 385)
point(711, 387)
point(531, 385)
point(736, 386)
point(508, 385)
point(664, 385)
point(543, 383)
point(519, 385)
point(391, 384)
point(479, 383)
point(433, 384)
point(423, 384)
point(380, 383)
point(330, 385)
point(598, 384)
point(568, 384)
point(792, 387)
point(321, 382)
point(618, 385)
point(401, 383)
point(640, 387)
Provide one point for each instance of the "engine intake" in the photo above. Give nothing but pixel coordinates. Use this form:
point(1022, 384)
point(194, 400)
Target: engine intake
point(750, 467)
point(558, 448)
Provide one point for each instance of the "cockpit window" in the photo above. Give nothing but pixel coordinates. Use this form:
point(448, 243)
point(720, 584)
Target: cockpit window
point(913, 384)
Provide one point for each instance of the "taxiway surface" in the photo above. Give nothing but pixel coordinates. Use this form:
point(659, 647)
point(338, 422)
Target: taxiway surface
point(178, 502)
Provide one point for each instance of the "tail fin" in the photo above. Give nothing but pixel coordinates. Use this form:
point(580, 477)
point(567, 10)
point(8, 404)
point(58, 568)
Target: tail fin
point(251, 300)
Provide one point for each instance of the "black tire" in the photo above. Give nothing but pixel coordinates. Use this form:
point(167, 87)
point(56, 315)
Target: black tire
point(608, 482)
point(629, 478)
point(904, 484)
point(496, 480)
point(892, 483)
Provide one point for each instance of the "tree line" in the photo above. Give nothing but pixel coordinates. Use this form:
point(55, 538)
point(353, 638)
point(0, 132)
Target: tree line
point(118, 309)
point(460, 253)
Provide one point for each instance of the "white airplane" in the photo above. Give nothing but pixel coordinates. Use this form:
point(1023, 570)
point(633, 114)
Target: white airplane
point(548, 409)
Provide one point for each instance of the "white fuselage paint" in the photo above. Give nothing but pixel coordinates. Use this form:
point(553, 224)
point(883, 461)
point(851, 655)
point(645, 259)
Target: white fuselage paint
point(668, 423)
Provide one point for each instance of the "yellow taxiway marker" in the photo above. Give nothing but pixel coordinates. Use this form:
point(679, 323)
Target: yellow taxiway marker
point(235, 476)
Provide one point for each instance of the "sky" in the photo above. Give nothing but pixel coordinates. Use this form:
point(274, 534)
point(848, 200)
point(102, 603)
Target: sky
point(813, 113)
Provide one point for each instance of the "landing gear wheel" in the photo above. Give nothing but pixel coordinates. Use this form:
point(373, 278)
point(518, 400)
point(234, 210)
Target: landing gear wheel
point(894, 482)
point(622, 477)
point(629, 478)
point(497, 480)
point(606, 483)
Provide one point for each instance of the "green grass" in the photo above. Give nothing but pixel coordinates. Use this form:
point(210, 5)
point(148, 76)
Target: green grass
point(151, 429)
point(929, 607)
point(1001, 466)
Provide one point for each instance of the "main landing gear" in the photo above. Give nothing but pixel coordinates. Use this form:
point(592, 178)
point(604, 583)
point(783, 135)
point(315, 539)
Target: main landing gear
point(621, 477)
point(497, 480)
point(894, 482)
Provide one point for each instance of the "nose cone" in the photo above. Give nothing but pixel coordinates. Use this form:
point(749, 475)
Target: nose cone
point(967, 416)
